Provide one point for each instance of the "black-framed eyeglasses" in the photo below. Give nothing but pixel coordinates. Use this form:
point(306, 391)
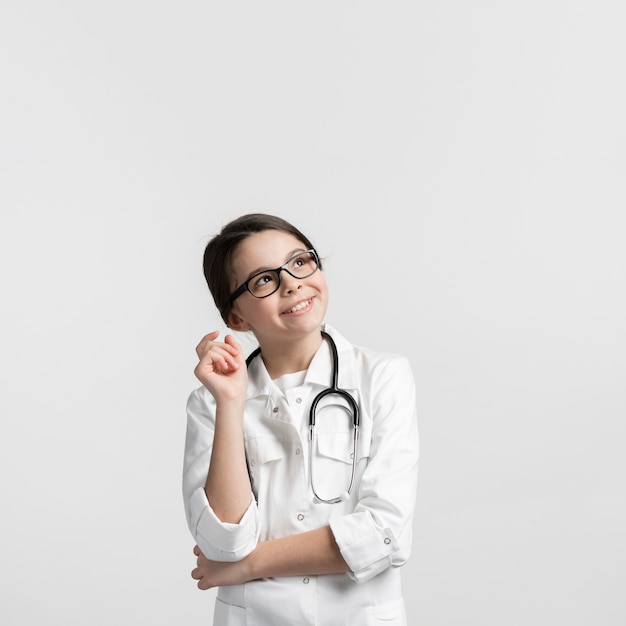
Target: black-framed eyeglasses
point(265, 283)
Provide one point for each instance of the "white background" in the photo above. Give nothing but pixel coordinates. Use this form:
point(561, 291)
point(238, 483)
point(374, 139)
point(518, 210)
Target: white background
point(461, 166)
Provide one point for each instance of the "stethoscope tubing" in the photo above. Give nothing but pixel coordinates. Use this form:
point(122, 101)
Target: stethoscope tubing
point(354, 407)
point(354, 410)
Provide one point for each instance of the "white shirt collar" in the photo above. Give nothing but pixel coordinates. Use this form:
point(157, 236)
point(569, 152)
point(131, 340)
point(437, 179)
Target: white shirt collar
point(319, 372)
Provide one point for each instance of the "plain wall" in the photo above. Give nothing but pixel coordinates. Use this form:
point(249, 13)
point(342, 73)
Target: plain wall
point(460, 165)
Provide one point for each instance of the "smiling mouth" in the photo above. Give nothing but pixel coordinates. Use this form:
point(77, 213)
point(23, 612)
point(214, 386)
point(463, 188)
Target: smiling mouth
point(298, 307)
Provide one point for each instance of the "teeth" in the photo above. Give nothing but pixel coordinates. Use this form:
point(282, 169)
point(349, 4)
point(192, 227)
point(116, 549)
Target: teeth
point(300, 306)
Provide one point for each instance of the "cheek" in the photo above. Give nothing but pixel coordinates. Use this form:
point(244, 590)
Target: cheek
point(321, 282)
point(255, 310)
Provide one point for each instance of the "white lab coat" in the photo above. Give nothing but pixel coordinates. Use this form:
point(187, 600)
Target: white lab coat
point(372, 528)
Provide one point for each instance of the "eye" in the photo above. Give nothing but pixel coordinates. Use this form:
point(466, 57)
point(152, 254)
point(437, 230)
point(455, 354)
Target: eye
point(302, 265)
point(262, 282)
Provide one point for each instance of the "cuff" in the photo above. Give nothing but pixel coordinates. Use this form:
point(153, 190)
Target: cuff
point(371, 552)
point(222, 541)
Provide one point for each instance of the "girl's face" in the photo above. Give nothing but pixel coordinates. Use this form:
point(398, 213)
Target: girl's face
point(299, 305)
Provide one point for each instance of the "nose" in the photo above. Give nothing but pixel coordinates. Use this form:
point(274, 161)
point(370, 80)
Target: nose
point(288, 283)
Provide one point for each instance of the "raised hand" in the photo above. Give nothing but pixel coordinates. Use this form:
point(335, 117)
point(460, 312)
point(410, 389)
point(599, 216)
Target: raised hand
point(221, 367)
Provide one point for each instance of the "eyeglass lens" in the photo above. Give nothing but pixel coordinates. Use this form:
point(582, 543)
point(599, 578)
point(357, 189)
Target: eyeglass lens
point(267, 282)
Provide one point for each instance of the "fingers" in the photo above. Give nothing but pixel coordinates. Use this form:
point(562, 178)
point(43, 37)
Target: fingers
point(218, 356)
point(231, 341)
point(203, 584)
point(200, 556)
point(210, 337)
point(196, 573)
point(208, 342)
point(216, 361)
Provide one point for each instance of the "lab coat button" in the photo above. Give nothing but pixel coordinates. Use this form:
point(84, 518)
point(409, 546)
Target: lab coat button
point(387, 540)
point(305, 581)
point(275, 409)
point(298, 400)
point(300, 516)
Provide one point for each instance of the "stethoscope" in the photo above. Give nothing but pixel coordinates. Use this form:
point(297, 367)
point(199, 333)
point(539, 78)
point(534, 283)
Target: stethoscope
point(353, 409)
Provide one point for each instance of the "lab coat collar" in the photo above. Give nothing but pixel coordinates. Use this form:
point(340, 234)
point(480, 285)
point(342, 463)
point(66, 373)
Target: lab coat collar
point(319, 372)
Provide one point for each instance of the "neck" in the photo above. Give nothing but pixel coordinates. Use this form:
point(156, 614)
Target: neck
point(290, 356)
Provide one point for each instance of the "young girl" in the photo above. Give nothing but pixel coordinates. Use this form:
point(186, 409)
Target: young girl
point(296, 523)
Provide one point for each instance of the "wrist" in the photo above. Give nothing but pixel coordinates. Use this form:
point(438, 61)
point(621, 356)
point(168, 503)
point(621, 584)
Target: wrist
point(252, 569)
point(230, 409)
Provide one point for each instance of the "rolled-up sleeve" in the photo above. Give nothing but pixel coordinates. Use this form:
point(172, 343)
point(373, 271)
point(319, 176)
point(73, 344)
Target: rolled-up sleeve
point(219, 541)
point(378, 534)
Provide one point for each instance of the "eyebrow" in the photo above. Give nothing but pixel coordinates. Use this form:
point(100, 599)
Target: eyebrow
point(265, 269)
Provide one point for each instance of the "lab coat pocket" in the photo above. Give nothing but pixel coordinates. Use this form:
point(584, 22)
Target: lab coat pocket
point(263, 450)
point(228, 614)
point(263, 455)
point(333, 463)
point(340, 446)
point(389, 614)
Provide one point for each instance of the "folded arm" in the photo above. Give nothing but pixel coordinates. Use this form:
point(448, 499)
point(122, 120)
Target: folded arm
point(314, 553)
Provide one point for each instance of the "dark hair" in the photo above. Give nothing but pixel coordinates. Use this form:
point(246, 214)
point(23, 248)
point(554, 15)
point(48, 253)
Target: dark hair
point(218, 253)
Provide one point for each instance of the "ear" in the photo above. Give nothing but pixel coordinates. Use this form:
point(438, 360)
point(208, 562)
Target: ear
point(237, 322)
